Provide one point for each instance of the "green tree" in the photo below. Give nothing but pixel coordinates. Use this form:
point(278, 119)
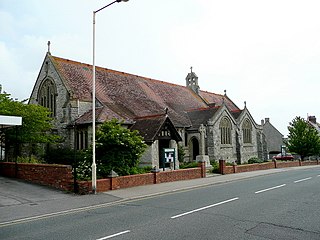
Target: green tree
point(36, 124)
point(303, 139)
point(118, 148)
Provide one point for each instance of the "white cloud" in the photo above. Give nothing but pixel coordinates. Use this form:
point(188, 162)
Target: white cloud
point(264, 52)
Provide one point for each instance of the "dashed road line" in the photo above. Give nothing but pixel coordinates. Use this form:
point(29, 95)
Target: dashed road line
point(114, 235)
point(302, 180)
point(268, 189)
point(203, 208)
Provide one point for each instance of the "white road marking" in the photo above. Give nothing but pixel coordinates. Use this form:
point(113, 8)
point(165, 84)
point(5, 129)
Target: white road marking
point(114, 235)
point(301, 180)
point(203, 208)
point(268, 189)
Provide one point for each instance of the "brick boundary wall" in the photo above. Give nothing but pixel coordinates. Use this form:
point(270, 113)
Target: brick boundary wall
point(57, 176)
point(60, 176)
point(224, 169)
point(156, 177)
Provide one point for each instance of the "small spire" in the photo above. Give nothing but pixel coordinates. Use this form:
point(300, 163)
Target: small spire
point(245, 104)
point(49, 47)
point(191, 69)
point(225, 92)
point(166, 110)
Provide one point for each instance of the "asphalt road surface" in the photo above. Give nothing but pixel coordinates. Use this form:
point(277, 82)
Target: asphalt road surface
point(285, 205)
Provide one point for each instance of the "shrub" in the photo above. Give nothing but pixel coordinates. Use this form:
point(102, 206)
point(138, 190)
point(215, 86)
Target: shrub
point(59, 155)
point(215, 166)
point(181, 153)
point(185, 165)
point(254, 160)
point(31, 159)
point(118, 148)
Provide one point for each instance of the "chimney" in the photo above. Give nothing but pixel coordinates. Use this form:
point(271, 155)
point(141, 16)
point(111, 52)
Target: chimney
point(267, 120)
point(262, 122)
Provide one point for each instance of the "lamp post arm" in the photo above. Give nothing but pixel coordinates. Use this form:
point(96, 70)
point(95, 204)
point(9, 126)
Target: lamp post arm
point(106, 6)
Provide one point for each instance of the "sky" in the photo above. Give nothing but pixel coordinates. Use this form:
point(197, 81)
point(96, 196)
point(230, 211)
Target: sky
point(264, 53)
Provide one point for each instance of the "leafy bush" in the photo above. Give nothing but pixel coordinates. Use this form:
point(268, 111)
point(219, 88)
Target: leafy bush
point(181, 153)
point(58, 155)
point(83, 164)
point(185, 165)
point(254, 160)
point(118, 148)
point(31, 159)
point(215, 166)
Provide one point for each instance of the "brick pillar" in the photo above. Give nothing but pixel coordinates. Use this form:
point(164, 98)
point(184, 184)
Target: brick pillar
point(203, 169)
point(300, 162)
point(222, 166)
point(155, 172)
point(317, 161)
point(234, 167)
point(275, 163)
point(114, 183)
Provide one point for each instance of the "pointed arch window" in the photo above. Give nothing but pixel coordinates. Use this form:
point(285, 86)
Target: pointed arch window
point(225, 131)
point(47, 96)
point(247, 131)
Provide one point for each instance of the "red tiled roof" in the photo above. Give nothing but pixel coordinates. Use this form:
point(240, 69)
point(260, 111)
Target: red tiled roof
point(150, 126)
point(130, 96)
point(201, 116)
point(102, 114)
point(218, 100)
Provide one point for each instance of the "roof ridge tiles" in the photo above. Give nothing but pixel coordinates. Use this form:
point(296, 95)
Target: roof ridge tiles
point(203, 108)
point(212, 93)
point(150, 116)
point(114, 71)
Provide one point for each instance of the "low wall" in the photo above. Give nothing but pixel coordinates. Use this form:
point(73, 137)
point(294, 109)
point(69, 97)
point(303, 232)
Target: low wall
point(57, 176)
point(60, 176)
point(224, 169)
point(156, 177)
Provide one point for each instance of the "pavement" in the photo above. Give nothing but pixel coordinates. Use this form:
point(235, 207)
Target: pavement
point(20, 200)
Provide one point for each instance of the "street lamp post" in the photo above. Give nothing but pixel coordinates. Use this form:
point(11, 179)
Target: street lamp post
point(94, 166)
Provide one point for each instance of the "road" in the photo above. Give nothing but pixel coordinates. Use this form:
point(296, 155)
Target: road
point(278, 206)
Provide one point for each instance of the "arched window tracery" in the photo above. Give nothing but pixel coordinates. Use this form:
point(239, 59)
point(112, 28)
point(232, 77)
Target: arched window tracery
point(247, 131)
point(47, 96)
point(225, 131)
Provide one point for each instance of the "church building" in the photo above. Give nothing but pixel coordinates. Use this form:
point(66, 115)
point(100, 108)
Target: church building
point(207, 126)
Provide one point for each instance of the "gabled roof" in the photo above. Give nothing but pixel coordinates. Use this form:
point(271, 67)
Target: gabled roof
point(130, 96)
point(219, 100)
point(200, 116)
point(102, 114)
point(150, 126)
point(236, 113)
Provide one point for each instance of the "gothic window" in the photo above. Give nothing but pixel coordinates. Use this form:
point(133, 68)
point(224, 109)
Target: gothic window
point(82, 139)
point(247, 131)
point(47, 96)
point(225, 131)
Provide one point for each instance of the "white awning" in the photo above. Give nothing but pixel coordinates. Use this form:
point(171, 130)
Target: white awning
point(8, 121)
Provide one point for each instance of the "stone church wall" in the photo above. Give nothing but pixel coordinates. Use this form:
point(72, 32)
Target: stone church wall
point(67, 110)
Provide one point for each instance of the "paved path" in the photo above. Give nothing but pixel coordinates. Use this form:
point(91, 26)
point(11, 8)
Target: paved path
point(19, 199)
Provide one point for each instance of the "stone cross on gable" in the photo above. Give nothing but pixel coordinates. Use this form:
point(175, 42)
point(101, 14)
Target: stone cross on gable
point(49, 47)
